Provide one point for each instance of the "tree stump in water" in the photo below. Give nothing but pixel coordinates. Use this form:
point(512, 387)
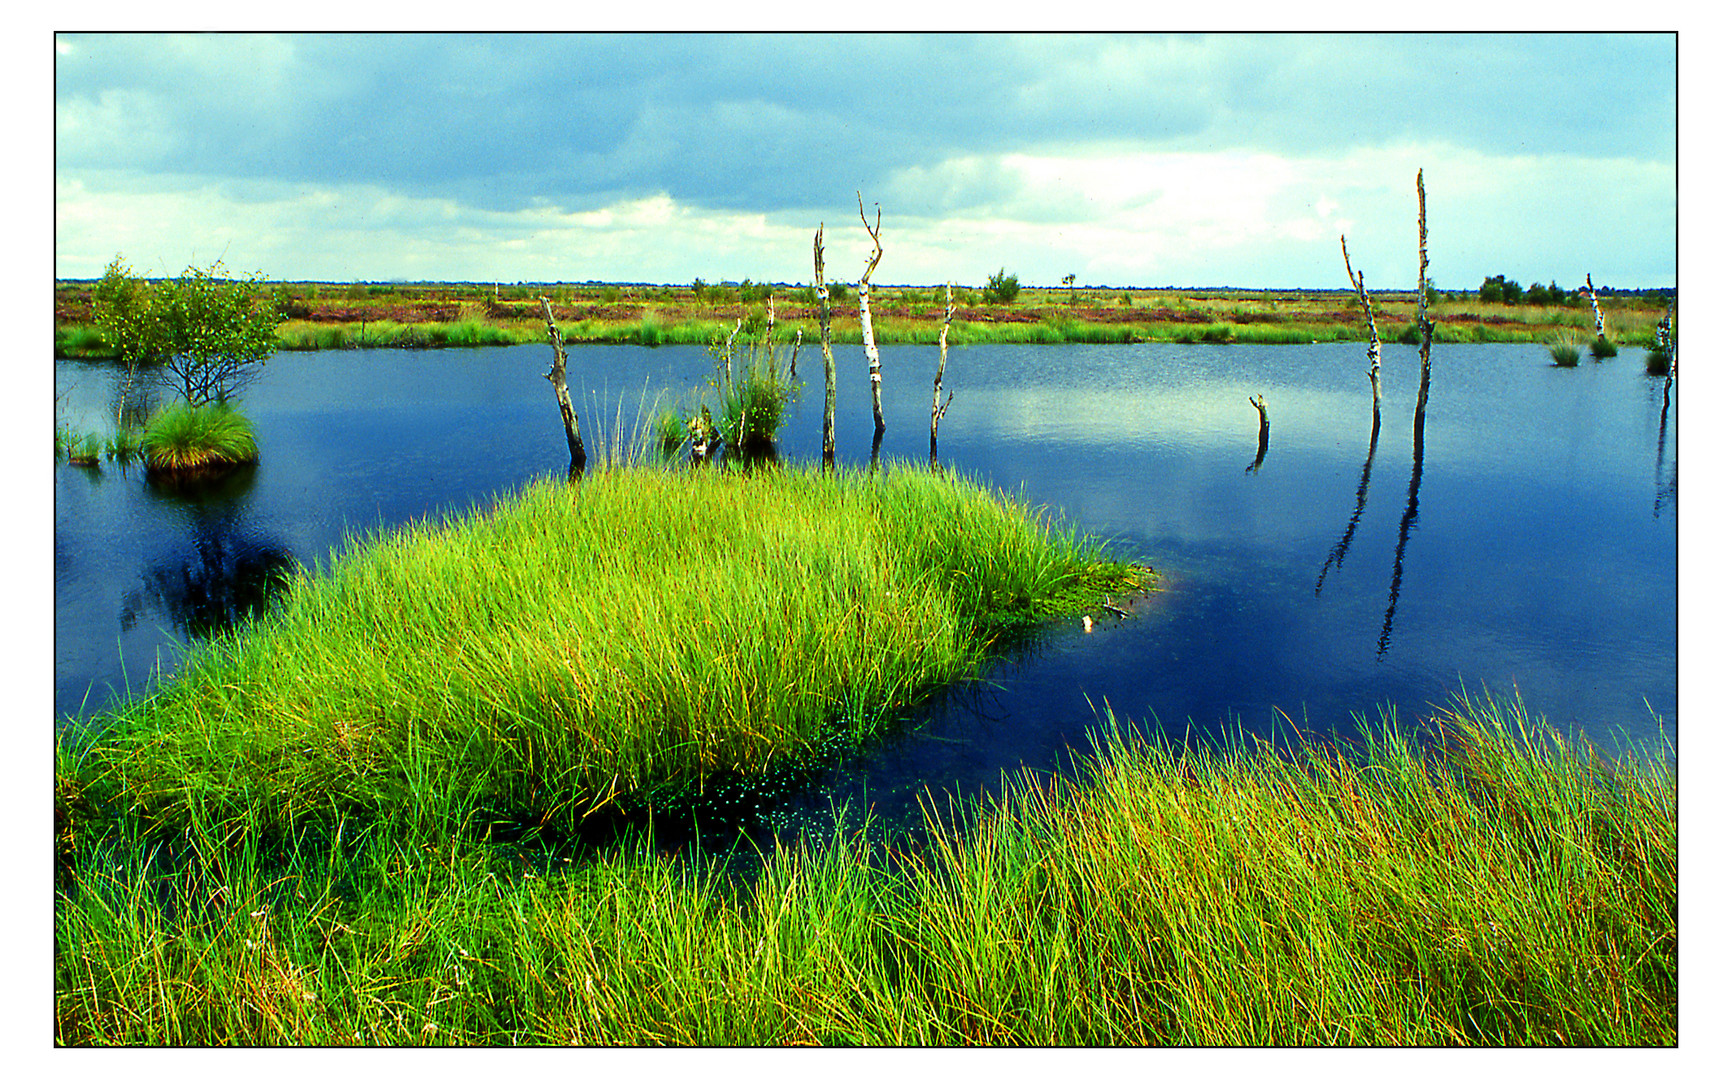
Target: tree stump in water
point(1262, 433)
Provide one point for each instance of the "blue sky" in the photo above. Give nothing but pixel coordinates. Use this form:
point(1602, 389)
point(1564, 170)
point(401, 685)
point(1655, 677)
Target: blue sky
point(1127, 159)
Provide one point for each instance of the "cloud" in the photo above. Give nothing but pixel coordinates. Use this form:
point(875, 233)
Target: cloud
point(1123, 158)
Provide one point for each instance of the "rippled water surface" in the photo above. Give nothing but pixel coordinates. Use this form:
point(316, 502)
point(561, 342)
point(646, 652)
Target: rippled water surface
point(1532, 545)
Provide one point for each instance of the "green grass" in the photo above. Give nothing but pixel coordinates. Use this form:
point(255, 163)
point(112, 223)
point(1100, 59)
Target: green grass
point(184, 438)
point(79, 448)
point(1565, 354)
point(1603, 348)
point(583, 644)
point(1473, 880)
point(386, 334)
point(80, 340)
point(751, 408)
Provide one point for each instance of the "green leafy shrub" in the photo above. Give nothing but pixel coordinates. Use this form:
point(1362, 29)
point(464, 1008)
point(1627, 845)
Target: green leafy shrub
point(1002, 287)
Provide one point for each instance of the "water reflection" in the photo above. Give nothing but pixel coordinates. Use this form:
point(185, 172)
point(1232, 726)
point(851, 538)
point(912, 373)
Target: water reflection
point(1666, 491)
point(220, 570)
point(1339, 553)
point(1409, 518)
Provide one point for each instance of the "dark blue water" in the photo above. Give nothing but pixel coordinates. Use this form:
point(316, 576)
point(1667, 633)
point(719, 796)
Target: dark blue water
point(1532, 548)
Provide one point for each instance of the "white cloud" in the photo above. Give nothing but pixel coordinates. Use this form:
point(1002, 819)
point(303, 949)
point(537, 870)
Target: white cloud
point(1113, 216)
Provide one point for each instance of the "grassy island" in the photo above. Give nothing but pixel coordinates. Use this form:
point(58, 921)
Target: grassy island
point(581, 644)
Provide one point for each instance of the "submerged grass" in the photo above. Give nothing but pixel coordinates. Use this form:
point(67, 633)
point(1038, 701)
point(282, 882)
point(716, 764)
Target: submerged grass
point(578, 644)
point(1475, 880)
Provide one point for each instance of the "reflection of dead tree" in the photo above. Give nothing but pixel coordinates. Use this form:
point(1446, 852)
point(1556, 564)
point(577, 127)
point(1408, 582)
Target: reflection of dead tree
point(556, 376)
point(866, 316)
point(938, 410)
point(1339, 554)
point(1667, 348)
point(1409, 518)
point(1375, 352)
point(1262, 433)
point(823, 295)
point(1661, 489)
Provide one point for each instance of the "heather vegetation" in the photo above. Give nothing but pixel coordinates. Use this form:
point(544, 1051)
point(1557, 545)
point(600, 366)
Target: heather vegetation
point(323, 316)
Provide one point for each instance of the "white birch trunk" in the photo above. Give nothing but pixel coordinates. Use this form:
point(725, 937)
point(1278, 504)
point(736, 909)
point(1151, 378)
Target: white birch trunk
point(823, 295)
point(1374, 352)
point(939, 408)
point(872, 365)
point(1425, 326)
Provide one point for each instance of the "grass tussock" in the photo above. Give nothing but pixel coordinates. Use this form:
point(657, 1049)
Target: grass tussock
point(1477, 881)
point(1565, 354)
point(585, 643)
point(185, 438)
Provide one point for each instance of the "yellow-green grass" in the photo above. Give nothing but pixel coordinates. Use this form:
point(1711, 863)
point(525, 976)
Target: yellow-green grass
point(580, 644)
point(1474, 881)
point(183, 438)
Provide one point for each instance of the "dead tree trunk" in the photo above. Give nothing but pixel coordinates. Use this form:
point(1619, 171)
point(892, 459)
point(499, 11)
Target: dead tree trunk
point(1411, 516)
point(823, 295)
point(1599, 319)
point(556, 376)
point(938, 409)
point(1374, 352)
point(794, 357)
point(872, 364)
point(1262, 433)
point(728, 354)
point(1426, 327)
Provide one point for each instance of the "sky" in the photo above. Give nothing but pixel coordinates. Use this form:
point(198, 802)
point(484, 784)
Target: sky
point(1125, 159)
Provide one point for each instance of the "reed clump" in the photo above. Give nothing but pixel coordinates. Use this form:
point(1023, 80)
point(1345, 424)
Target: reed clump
point(584, 644)
point(1565, 354)
point(182, 438)
point(1473, 880)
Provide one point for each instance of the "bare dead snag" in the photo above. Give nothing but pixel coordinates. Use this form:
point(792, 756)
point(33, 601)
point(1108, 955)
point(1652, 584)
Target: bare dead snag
point(1599, 319)
point(1426, 326)
point(938, 410)
point(823, 295)
point(1410, 517)
point(872, 364)
point(556, 376)
point(1262, 433)
point(728, 352)
point(794, 357)
point(1374, 352)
